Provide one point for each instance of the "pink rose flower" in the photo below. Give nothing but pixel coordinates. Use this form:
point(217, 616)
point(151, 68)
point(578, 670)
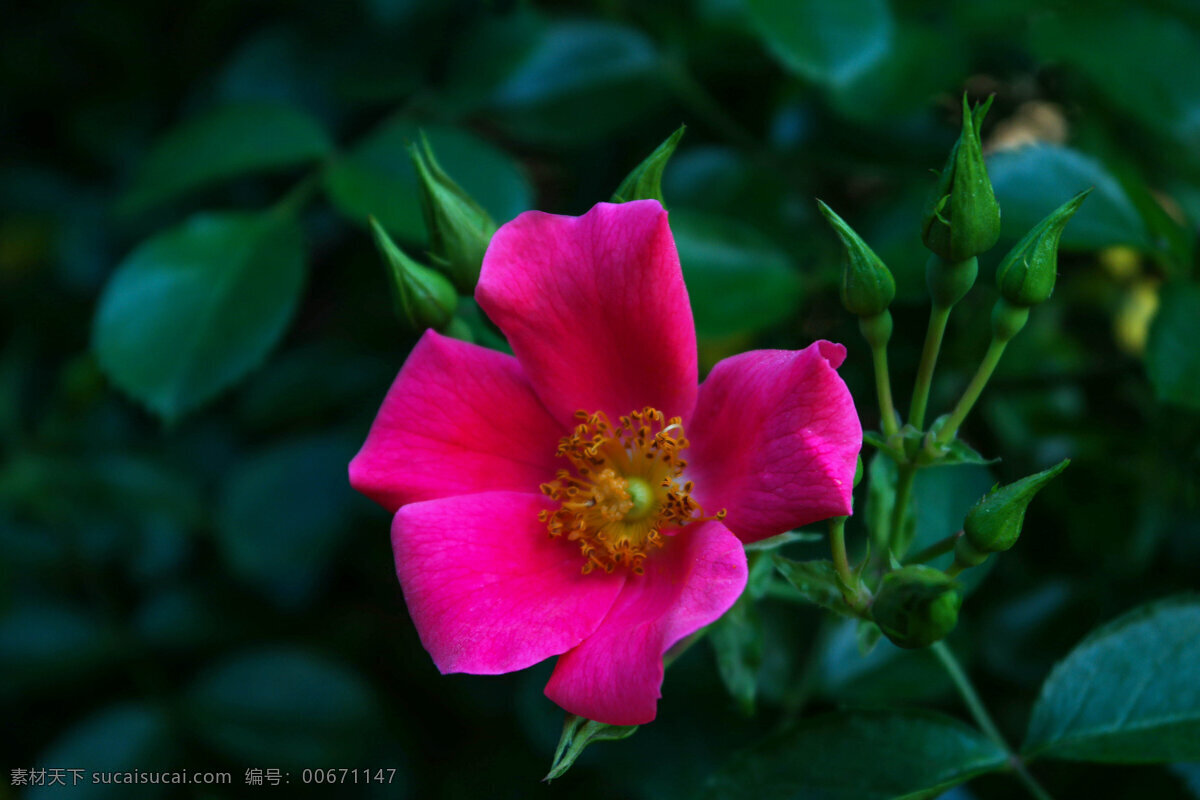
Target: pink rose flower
point(551, 504)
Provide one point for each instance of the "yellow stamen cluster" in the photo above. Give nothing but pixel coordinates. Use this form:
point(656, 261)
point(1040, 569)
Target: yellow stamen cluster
point(625, 491)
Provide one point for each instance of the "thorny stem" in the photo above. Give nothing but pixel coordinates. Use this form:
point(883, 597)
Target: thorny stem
point(973, 390)
point(938, 315)
point(984, 720)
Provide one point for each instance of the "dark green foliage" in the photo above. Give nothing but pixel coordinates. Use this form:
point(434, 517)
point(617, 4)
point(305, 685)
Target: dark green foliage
point(195, 336)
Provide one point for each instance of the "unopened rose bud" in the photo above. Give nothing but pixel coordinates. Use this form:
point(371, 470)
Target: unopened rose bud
point(916, 606)
point(423, 297)
point(1026, 275)
point(867, 285)
point(962, 218)
point(459, 228)
point(994, 523)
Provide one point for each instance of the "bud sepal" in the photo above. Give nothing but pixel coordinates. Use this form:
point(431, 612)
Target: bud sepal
point(644, 182)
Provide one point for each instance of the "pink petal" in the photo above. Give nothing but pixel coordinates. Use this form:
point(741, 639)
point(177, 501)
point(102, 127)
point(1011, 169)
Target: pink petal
point(774, 440)
point(458, 419)
point(595, 309)
point(616, 675)
point(488, 588)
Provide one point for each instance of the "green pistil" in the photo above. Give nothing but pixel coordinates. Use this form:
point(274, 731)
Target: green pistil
point(642, 496)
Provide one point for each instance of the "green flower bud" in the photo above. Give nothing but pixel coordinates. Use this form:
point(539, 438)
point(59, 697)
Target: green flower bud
point(645, 181)
point(459, 228)
point(962, 218)
point(916, 606)
point(1026, 275)
point(867, 285)
point(994, 523)
point(423, 297)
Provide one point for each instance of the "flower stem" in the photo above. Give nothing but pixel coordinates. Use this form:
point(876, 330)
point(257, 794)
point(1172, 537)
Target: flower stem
point(837, 543)
point(984, 720)
point(883, 386)
point(974, 389)
point(938, 315)
point(934, 550)
point(904, 487)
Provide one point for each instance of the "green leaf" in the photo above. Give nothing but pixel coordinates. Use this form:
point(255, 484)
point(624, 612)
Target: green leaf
point(1172, 358)
point(861, 755)
point(46, 642)
point(815, 582)
point(284, 707)
point(737, 640)
point(283, 512)
point(881, 499)
point(579, 82)
point(1189, 774)
point(856, 665)
point(196, 307)
point(942, 497)
point(830, 44)
point(577, 734)
point(1030, 182)
point(1127, 693)
point(738, 280)
point(1133, 59)
point(902, 82)
point(223, 144)
point(129, 737)
point(376, 178)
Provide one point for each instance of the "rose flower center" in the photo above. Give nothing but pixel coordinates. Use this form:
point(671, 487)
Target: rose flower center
point(624, 490)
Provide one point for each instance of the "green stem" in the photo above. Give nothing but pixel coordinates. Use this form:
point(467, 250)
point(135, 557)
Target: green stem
point(984, 719)
point(904, 487)
point(883, 386)
point(938, 315)
point(971, 393)
point(934, 550)
point(837, 543)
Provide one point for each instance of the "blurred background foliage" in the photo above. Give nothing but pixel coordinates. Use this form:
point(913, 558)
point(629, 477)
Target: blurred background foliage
point(196, 334)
